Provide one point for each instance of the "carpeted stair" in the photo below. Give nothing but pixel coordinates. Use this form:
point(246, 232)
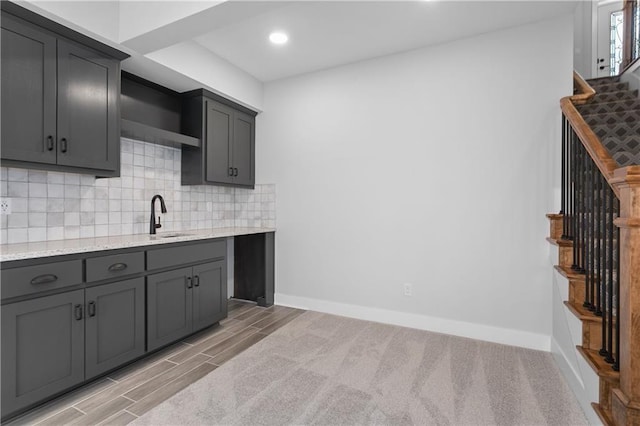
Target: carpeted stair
point(614, 115)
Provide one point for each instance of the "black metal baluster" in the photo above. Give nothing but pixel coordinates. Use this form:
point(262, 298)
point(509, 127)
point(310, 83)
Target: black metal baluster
point(593, 169)
point(577, 241)
point(574, 200)
point(605, 283)
point(583, 224)
point(581, 200)
point(610, 247)
point(598, 246)
point(563, 187)
point(568, 230)
point(616, 288)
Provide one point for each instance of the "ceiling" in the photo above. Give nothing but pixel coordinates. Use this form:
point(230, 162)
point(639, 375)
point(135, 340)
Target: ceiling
point(223, 45)
point(330, 33)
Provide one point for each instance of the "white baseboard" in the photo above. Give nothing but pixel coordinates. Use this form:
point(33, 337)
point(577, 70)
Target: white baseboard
point(487, 333)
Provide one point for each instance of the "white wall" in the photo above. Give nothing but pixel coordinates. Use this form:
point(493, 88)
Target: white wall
point(196, 62)
point(433, 167)
point(99, 17)
point(139, 17)
point(583, 21)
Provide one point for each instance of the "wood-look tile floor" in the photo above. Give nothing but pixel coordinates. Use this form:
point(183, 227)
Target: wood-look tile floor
point(127, 393)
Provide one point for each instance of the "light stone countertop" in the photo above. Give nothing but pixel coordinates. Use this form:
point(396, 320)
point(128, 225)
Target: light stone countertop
point(23, 251)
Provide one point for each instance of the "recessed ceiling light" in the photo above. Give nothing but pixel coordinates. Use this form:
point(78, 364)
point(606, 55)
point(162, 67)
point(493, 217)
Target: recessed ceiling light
point(278, 37)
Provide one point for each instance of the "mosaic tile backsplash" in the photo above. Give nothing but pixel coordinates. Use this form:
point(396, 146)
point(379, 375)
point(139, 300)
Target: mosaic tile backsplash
point(53, 205)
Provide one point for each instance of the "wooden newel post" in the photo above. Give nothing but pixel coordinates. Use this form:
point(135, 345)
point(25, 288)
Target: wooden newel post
point(626, 399)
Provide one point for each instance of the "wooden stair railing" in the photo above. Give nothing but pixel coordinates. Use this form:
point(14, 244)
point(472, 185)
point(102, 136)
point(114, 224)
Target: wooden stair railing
point(619, 401)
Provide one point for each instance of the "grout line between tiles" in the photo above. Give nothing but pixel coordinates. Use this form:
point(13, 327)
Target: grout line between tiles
point(127, 411)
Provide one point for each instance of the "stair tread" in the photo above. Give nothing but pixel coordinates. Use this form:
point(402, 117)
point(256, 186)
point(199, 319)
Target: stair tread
point(626, 125)
point(625, 150)
point(582, 313)
point(605, 107)
point(599, 365)
point(605, 416)
point(603, 80)
point(560, 242)
point(569, 273)
point(614, 96)
point(610, 118)
point(611, 86)
point(598, 80)
point(626, 158)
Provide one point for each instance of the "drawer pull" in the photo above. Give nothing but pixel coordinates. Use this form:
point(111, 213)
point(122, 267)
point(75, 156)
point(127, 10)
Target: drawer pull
point(116, 267)
point(78, 312)
point(44, 279)
point(196, 280)
point(91, 309)
point(189, 283)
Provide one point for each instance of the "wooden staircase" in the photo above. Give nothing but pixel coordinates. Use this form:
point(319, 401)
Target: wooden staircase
point(591, 323)
point(618, 170)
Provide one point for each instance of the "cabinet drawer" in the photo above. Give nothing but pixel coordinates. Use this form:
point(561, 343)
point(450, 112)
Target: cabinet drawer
point(172, 256)
point(117, 265)
point(34, 279)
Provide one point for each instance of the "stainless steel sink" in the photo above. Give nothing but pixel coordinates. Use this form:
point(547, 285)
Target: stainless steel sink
point(170, 235)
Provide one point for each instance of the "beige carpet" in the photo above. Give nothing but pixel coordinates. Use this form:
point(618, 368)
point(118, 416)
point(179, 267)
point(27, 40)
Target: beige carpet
point(327, 370)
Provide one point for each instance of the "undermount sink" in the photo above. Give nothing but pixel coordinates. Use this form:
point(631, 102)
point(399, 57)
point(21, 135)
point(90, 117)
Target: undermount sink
point(171, 235)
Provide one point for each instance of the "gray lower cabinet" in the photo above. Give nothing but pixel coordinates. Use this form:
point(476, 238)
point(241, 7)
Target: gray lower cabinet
point(209, 294)
point(52, 343)
point(169, 307)
point(71, 319)
point(114, 325)
point(42, 348)
point(185, 300)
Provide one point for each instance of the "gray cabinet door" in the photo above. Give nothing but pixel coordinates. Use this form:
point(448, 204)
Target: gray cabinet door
point(28, 74)
point(169, 307)
point(88, 89)
point(244, 149)
point(42, 348)
point(209, 293)
point(219, 134)
point(114, 325)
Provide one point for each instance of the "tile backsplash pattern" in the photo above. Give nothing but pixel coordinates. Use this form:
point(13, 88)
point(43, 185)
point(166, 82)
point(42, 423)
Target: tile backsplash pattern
point(54, 205)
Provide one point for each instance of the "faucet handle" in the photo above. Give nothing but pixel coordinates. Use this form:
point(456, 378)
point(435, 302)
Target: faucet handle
point(158, 225)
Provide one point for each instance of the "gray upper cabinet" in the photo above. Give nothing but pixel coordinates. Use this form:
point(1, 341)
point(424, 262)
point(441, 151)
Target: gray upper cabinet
point(114, 325)
point(88, 115)
point(227, 130)
point(60, 97)
point(243, 152)
point(28, 62)
point(219, 163)
point(42, 348)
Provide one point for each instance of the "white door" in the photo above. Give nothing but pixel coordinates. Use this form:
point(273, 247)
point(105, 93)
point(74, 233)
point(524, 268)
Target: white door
point(604, 31)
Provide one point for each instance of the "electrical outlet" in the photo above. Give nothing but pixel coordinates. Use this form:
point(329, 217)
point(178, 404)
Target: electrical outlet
point(408, 289)
point(5, 206)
